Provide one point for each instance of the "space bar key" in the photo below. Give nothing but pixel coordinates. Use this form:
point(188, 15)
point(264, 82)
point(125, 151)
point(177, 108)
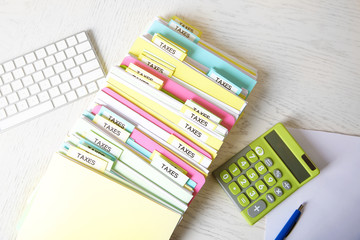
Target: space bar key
point(26, 115)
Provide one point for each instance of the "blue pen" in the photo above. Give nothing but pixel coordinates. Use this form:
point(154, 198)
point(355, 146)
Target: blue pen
point(290, 224)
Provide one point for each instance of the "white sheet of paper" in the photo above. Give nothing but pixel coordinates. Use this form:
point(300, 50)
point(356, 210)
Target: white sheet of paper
point(332, 199)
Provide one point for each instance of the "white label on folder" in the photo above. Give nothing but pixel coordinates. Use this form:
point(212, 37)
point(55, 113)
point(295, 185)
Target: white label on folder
point(146, 74)
point(169, 47)
point(186, 149)
point(112, 128)
point(103, 143)
point(204, 112)
point(98, 154)
point(87, 159)
point(161, 164)
point(198, 118)
point(220, 80)
point(192, 130)
point(156, 66)
point(183, 31)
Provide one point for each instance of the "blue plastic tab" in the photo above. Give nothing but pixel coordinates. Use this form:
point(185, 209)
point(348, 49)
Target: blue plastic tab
point(138, 147)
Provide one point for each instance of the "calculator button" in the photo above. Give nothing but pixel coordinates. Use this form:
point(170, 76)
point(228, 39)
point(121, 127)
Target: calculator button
point(268, 162)
point(260, 186)
point(243, 163)
point(252, 175)
point(252, 193)
point(259, 151)
point(251, 156)
point(243, 181)
point(286, 185)
point(269, 179)
point(277, 173)
point(234, 188)
point(225, 176)
point(257, 208)
point(243, 200)
point(270, 198)
point(278, 191)
point(260, 168)
point(234, 169)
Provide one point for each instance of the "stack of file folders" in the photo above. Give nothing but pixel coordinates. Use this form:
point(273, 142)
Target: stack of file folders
point(162, 116)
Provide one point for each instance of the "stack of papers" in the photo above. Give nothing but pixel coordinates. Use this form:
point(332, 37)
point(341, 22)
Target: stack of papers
point(155, 128)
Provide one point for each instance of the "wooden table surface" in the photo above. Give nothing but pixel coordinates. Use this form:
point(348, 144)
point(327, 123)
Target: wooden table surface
point(307, 53)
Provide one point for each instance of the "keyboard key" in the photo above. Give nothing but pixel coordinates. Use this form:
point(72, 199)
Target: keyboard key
point(50, 60)
point(243, 163)
point(22, 105)
point(252, 193)
point(83, 47)
point(59, 101)
point(48, 72)
point(6, 89)
point(29, 69)
point(277, 173)
point(32, 101)
point(81, 37)
point(12, 98)
point(27, 80)
point(23, 93)
point(7, 77)
point(16, 85)
point(252, 175)
point(92, 87)
point(39, 65)
point(89, 66)
point(41, 53)
point(43, 96)
point(243, 200)
point(71, 41)
point(278, 191)
point(65, 76)
point(71, 96)
point(38, 76)
point(1, 69)
point(26, 115)
point(3, 102)
point(19, 62)
point(18, 73)
point(44, 85)
point(234, 170)
point(69, 63)
point(91, 76)
point(89, 55)
point(34, 89)
point(234, 188)
point(30, 57)
point(55, 80)
point(286, 185)
point(269, 179)
point(61, 45)
point(11, 110)
point(75, 83)
point(76, 71)
point(260, 186)
point(64, 87)
point(59, 67)
point(79, 59)
point(70, 52)
point(54, 92)
point(225, 176)
point(243, 181)
point(60, 56)
point(2, 114)
point(9, 66)
point(256, 209)
point(251, 156)
point(51, 49)
point(260, 168)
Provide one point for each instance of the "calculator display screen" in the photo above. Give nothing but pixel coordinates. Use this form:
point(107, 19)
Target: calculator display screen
point(287, 156)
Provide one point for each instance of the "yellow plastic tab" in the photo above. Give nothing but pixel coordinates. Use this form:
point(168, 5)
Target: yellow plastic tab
point(156, 153)
point(169, 47)
point(187, 26)
point(143, 78)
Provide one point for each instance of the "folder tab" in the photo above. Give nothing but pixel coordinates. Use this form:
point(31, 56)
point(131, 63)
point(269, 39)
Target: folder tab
point(187, 26)
point(183, 31)
point(146, 74)
point(143, 78)
point(86, 158)
point(157, 63)
point(204, 112)
point(169, 47)
point(222, 81)
point(198, 118)
point(113, 117)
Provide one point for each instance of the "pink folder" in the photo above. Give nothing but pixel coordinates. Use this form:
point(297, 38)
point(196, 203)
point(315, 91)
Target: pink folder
point(183, 93)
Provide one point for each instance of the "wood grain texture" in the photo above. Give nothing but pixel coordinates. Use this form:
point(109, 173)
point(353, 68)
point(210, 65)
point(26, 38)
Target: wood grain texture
point(307, 53)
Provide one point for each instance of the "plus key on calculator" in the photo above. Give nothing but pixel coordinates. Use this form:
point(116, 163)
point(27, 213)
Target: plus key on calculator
point(265, 172)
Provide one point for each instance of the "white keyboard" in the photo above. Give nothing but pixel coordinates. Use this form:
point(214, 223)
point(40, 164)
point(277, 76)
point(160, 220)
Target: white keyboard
point(48, 78)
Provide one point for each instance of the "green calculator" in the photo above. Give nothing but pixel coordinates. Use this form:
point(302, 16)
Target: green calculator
point(265, 172)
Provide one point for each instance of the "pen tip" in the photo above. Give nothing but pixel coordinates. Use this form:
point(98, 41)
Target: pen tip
point(301, 207)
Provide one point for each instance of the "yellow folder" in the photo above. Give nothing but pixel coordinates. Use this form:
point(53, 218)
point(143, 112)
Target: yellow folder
point(189, 75)
point(74, 202)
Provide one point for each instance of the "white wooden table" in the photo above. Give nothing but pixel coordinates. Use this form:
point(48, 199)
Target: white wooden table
point(307, 53)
